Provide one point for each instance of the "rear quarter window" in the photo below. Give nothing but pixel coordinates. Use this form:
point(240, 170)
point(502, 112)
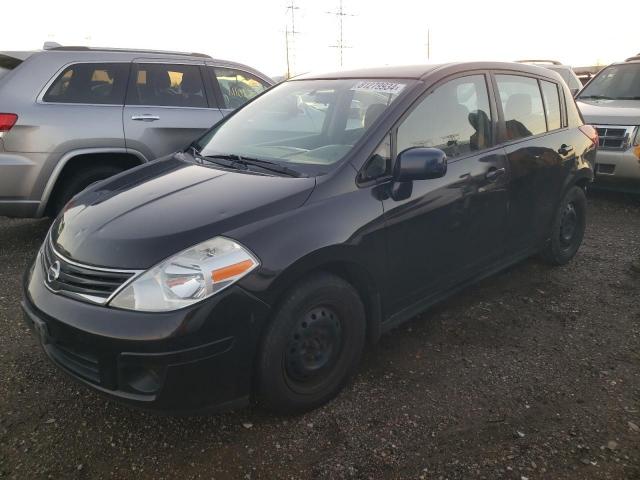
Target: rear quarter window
point(90, 83)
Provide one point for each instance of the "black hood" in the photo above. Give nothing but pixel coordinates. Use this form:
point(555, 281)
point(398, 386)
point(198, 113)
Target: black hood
point(140, 217)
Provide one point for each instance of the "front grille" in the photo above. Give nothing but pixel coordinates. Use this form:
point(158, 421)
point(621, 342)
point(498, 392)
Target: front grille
point(614, 137)
point(92, 284)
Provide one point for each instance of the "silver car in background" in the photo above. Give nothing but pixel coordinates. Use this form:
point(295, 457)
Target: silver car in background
point(611, 103)
point(70, 116)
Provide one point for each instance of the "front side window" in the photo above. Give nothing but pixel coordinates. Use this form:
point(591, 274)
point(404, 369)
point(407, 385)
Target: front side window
point(379, 165)
point(455, 118)
point(308, 125)
point(91, 83)
point(156, 84)
point(551, 104)
point(617, 82)
point(237, 87)
point(522, 106)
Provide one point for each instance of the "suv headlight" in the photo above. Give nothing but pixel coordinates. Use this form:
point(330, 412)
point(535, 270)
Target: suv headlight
point(187, 277)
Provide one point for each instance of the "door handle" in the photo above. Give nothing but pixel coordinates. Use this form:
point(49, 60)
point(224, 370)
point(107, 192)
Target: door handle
point(494, 173)
point(145, 117)
point(565, 149)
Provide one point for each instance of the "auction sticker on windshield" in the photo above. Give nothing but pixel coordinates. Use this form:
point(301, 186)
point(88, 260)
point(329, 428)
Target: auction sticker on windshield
point(380, 87)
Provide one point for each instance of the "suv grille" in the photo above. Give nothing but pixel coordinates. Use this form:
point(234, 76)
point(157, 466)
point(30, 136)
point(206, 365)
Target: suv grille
point(614, 137)
point(92, 284)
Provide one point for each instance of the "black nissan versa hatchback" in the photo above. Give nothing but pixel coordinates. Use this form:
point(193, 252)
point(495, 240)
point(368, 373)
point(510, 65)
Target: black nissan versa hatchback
point(258, 262)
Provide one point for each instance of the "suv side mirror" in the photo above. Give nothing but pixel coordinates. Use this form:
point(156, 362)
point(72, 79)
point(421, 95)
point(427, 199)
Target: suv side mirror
point(420, 163)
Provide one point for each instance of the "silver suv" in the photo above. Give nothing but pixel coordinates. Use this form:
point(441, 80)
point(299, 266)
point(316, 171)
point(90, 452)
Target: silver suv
point(611, 103)
point(70, 116)
point(565, 71)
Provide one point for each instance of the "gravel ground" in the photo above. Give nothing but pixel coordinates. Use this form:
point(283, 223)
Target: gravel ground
point(533, 373)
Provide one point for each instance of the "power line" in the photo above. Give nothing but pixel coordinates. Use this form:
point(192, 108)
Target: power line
point(340, 14)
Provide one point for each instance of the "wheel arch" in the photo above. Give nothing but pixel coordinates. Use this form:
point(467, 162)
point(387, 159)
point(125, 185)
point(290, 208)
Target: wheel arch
point(70, 161)
point(342, 262)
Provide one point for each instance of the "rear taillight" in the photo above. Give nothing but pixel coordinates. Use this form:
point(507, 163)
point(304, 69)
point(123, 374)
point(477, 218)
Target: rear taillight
point(591, 133)
point(7, 120)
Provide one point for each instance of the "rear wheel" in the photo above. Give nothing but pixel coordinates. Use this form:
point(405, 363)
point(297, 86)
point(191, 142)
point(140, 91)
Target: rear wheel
point(568, 228)
point(77, 182)
point(312, 346)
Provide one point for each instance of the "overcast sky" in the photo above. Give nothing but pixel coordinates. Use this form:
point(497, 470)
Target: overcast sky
point(379, 33)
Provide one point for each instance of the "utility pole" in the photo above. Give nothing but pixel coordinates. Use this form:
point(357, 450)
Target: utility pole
point(289, 37)
point(340, 14)
point(428, 44)
point(286, 43)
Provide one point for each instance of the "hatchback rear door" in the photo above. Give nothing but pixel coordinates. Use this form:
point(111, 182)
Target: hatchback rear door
point(167, 106)
point(540, 154)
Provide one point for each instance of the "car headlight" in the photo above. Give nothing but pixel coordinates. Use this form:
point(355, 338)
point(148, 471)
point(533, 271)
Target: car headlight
point(187, 277)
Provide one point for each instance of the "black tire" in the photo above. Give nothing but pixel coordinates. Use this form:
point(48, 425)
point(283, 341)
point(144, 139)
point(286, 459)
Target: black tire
point(567, 230)
point(77, 182)
point(312, 346)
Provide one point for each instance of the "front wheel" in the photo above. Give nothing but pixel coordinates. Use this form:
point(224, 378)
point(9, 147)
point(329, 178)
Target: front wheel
point(312, 346)
point(568, 228)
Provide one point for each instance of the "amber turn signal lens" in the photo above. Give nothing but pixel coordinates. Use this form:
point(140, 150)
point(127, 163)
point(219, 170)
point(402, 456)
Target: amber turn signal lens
point(231, 271)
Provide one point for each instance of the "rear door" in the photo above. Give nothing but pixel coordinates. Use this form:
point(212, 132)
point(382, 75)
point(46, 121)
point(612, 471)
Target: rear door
point(539, 151)
point(167, 107)
point(233, 86)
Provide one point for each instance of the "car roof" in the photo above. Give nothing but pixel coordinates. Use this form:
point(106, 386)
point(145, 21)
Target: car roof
point(422, 71)
point(87, 54)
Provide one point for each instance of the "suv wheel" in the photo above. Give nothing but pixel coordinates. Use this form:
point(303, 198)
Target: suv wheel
point(568, 227)
point(77, 182)
point(312, 346)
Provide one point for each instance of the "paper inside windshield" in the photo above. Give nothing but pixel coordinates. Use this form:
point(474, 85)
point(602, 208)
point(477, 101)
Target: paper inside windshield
point(379, 87)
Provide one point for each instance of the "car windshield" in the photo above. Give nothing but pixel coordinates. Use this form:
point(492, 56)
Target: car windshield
point(617, 82)
point(305, 125)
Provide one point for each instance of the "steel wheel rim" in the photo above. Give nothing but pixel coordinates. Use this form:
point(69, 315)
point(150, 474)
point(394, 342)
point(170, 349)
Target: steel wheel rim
point(568, 224)
point(314, 346)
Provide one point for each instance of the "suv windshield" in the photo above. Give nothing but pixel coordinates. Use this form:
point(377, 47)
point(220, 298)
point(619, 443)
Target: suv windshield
point(307, 125)
point(617, 82)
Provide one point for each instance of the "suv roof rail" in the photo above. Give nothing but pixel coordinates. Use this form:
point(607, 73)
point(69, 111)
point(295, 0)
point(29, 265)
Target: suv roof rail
point(552, 62)
point(50, 45)
point(80, 48)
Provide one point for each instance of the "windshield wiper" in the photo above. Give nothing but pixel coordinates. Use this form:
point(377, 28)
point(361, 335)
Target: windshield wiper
point(235, 160)
point(628, 98)
point(595, 97)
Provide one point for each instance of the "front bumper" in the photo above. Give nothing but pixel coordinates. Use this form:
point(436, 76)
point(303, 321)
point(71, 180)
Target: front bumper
point(195, 358)
point(619, 169)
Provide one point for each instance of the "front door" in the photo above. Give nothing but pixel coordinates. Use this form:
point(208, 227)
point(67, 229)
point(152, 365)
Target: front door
point(448, 229)
point(166, 108)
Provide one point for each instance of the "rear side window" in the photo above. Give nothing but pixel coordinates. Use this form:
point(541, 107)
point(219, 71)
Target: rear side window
point(522, 106)
point(156, 84)
point(237, 87)
point(551, 104)
point(455, 118)
point(92, 83)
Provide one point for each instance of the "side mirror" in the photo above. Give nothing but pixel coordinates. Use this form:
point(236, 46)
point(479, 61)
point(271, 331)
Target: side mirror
point(420, 163)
